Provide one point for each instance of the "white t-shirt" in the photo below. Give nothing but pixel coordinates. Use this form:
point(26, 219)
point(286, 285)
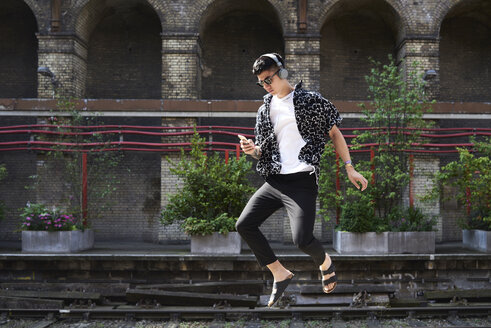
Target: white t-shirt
point(290, 141)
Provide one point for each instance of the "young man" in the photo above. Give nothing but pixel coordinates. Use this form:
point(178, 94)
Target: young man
point(291, 132)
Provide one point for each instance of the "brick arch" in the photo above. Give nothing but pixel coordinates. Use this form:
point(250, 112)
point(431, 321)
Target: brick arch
point(124, 58)
point(464, 30)
point(232, 34)
point(38, 13)
point(349, 36)
point(404, 18)
point(81, 9)
point(442, 12)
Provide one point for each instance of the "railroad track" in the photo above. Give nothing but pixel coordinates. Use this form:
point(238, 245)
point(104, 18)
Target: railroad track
point(373, 315)
point(232, 300)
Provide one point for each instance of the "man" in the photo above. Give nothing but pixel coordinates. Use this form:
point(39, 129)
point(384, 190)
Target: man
point(291, 132)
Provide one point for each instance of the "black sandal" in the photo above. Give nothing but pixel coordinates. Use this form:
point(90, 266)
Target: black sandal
point(330, 280)
point(278, 289)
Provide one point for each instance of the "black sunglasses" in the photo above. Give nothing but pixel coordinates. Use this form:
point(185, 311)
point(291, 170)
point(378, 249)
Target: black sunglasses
point(267, 80)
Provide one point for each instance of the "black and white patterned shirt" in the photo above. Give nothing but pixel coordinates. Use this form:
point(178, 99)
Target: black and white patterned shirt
point(315, 116)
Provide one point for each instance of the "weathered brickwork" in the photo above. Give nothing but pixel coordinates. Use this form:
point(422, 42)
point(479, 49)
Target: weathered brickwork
point(303, 62)
point(180, 75)
point(65, 56)
point(424, 167)
point(170, 183)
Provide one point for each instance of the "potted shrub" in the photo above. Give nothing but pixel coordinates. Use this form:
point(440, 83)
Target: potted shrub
point(375, 221)
point(404, 230)
point(53, 231)
point(470, 175)
point(210, 200)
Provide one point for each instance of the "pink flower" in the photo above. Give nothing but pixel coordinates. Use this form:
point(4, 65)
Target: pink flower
point(28, 224)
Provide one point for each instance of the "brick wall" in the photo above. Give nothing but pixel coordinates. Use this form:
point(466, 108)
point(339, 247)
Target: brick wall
point(20, 166)
point(302, 60)
point(65, 56)
point(180, 66)
point(424, 168)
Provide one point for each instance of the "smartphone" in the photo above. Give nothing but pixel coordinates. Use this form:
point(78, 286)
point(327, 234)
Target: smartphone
point(241, 137)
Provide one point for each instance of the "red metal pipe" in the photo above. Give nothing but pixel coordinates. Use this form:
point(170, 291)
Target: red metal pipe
point(84, 189)
point(223, 127)
point(155, 144)
point(126, 126)
point(186, 149)
point(122, 132)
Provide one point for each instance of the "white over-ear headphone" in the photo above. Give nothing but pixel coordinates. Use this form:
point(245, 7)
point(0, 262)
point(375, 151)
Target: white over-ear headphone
point(283, 73)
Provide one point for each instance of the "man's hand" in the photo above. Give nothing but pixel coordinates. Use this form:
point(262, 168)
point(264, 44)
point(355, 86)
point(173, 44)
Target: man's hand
point(356, 177)
point(248, 146)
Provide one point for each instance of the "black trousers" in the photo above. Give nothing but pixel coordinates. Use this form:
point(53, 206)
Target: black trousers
point(297, 192)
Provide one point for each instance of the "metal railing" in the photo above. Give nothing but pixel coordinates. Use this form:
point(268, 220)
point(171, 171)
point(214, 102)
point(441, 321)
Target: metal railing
point(120, 131)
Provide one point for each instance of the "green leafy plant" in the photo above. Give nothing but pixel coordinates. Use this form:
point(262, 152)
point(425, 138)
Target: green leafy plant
point(358, 217)
point(222, 224)
point(395, 119)
point(410, 219)
point(328, 197)
point(471, 177)
point(213, 193)
point(37, 217)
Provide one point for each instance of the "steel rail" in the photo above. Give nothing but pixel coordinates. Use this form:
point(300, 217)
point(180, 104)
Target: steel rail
point(208, 313)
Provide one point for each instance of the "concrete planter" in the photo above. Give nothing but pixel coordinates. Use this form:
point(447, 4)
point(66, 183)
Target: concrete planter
point(414, 242)
point(57, 241)
point(217, 243)
point(477, 239)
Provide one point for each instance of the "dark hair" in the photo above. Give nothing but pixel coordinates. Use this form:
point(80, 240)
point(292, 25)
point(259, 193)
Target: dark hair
point(265, 63)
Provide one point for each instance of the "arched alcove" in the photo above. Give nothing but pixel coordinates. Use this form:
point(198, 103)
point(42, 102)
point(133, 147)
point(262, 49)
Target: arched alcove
point(232, 35)
point(18, 50)
point(124, 57)
point(352, 32)
point(465, 52)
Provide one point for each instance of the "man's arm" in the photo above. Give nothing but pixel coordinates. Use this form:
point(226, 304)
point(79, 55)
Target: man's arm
point(342, 149)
